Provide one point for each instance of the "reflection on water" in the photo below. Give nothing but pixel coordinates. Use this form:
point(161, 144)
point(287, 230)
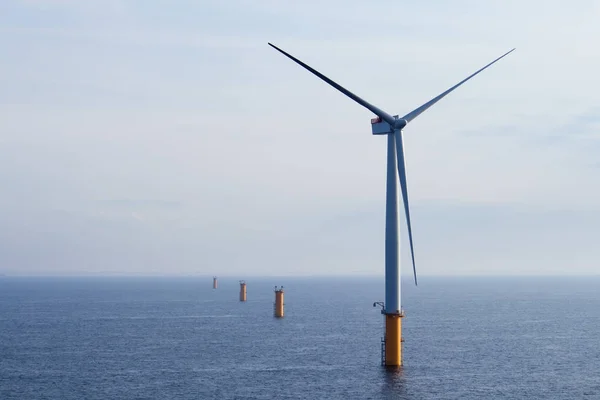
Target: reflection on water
point(393, 383)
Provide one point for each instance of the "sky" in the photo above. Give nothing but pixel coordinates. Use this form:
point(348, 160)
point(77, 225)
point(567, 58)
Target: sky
point(164, 137)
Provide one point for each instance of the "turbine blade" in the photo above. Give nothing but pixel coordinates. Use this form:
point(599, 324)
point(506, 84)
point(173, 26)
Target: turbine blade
point(404, 189)
point(379, 112)
point(415, 113)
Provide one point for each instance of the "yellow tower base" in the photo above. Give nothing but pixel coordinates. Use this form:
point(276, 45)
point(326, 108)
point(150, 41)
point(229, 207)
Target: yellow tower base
point(242, 291)
point(393, 339)
point(278, 311)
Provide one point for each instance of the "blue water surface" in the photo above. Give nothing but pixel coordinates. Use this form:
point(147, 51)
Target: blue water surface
point(177, 338)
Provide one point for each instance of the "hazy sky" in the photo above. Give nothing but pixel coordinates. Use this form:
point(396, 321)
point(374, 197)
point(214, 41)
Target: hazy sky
point(161, 137)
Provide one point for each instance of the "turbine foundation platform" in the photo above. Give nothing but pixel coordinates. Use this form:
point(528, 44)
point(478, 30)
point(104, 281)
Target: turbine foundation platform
point(278, 306)
point(392, 342)
point(242, 291)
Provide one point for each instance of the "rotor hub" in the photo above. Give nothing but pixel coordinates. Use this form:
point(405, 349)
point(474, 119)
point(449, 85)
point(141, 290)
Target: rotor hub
point(400, 123)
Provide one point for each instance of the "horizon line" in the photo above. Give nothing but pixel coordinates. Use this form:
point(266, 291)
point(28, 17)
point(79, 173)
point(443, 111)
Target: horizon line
point(240, 276)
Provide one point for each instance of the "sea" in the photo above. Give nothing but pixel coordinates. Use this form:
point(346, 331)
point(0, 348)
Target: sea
point(178, 338)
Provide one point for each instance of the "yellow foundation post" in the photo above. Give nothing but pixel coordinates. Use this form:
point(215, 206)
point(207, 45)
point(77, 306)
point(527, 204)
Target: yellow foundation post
point(393, 339)
point(242, 291)
point(278, 312)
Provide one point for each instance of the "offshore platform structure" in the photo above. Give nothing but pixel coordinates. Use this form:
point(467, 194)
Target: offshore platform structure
point(242, 290)
point(392, 127)
point(278, 306)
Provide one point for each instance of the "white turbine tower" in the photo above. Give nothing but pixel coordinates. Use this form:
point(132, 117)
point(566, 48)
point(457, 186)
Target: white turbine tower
point(386, 124)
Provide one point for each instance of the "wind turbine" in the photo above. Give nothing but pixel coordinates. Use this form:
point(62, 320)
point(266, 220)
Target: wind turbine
point(392, 126)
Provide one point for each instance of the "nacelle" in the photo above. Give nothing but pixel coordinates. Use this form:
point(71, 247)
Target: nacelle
point(380, 127)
